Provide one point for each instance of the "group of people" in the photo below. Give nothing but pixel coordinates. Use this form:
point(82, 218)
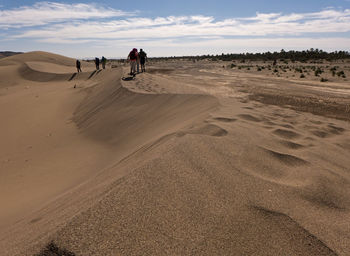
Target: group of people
point(137, 59)
point(97, 63)
point(103, 62)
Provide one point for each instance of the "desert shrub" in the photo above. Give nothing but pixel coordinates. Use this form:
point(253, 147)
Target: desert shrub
point(318, 72)
point(324, 80)
point(233, 65)
point(275, 70)
point(341, 73)
point(258, 69)
point(302, 76)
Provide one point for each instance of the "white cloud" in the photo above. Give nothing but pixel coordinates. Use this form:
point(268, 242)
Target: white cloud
point(64, 24)
point(42, 13)
point(329, 21)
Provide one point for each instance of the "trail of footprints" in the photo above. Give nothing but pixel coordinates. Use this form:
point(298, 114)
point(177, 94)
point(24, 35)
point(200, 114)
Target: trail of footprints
point(282, 127)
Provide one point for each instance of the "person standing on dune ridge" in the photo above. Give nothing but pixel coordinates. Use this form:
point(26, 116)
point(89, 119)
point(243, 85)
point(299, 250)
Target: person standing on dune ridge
point(78, 65)
point(97, 63)
point(132, 57)
point(143, 58)
point(104, 61)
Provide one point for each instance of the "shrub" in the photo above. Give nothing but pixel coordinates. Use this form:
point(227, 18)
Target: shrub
point(341, 73)
point(324, 80)
point(318, 71)
point(302, 76)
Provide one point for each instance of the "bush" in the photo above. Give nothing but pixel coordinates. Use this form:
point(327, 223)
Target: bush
point(318, 72)
point(324, 80)
point(341, 73)
point(302, 76)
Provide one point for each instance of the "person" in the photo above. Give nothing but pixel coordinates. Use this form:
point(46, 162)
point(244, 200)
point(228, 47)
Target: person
point(143, 57)
point(78, 65)
point(103, 60)
point(133, 56)
point(138, 62)
point(97, 62)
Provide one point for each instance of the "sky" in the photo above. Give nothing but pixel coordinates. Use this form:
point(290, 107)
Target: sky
point(85, 29)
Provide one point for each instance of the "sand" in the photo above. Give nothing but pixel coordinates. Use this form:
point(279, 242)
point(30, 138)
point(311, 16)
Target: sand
point(186, 159)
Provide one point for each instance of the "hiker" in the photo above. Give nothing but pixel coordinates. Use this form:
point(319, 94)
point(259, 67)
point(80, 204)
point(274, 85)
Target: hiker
point(133, 56)
point(138, 63)
point(103, 60)
point(97, 62)
point(143, 58)
point(78, 65)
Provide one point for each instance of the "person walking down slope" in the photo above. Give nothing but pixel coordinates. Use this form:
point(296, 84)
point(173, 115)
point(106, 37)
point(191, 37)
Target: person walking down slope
point(104, 61)
point(78, 65)
point(143, 58)
point(97, 63)
point(133, 59)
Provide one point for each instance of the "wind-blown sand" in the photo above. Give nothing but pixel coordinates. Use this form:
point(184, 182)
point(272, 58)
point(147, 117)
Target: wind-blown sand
point(187, 159)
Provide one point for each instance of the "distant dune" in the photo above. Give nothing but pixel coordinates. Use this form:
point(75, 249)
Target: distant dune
point(189, 158)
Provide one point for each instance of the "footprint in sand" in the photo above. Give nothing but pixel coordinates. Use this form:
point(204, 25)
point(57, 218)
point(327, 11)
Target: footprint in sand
point(288, 126)
point(291, 145)
point(335, 129)
point(209, 130)
point(225, 120)
point(320, 134)
point(249, 118)
point(286, 159)
point(286, 134)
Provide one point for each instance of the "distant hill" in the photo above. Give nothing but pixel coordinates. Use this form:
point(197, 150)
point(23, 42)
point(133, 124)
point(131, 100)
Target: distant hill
point(7, 54)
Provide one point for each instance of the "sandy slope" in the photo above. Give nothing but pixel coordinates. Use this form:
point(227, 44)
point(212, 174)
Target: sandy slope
point(180, 161)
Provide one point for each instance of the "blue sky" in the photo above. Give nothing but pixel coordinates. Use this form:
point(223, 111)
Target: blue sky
point(167, 28)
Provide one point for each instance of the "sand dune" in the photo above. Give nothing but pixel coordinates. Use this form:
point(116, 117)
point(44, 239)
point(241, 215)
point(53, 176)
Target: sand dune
point(180, 161)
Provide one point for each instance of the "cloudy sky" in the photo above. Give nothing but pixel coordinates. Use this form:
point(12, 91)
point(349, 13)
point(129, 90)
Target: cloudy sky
point(166, 28)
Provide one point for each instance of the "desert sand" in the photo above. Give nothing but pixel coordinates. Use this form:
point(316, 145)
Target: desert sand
point(189, 158)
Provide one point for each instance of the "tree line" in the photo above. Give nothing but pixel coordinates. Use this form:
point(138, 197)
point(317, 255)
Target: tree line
point(302, 56)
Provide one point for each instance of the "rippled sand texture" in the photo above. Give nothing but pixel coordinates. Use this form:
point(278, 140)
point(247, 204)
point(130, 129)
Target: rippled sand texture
point(186, 159)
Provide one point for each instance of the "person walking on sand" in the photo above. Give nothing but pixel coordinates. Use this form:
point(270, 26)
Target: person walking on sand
point(97, 63)
point(133, 56)
point(104, 61)
point(143, 58)
point(78, 65)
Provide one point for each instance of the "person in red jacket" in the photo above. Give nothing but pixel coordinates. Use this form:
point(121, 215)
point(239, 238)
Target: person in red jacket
point(133, 57)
